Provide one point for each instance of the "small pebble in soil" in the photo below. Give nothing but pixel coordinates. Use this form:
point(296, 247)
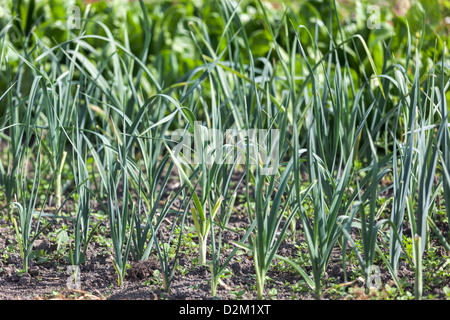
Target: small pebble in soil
point(37, 244)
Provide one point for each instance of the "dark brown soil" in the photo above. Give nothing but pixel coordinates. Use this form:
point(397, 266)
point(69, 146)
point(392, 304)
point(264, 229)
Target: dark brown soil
point(48, 277)
point(48, 280)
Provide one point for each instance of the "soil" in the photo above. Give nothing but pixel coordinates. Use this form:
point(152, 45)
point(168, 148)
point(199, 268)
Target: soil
point(48, 278)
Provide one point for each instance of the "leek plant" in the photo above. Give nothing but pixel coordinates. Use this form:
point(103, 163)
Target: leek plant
point(217, 268)
point(8, 176)
point(402, 178)
point(59, 114)
point(271, 224)
point(200, 204)
point(26, 207)
point(265, 241)
point(121, 214)
point(82, 232)
point(142, 235)
point(328, 193)
point(30, 217)
point(218, 265)
point(27, 198)
point(370, 229)
point(428, 143)
point(13, 129)
point(121, 218)
point(167, 258)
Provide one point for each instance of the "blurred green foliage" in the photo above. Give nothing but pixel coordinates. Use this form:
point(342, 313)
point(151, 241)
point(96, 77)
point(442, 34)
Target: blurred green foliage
point(173, 50)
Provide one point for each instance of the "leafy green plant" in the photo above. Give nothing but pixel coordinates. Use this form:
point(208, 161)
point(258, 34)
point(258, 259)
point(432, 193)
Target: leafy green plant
point(218, 268)
point(360, 115)
point(199, 207)
point(121, 216)
point(163, 243)
point(142, 234)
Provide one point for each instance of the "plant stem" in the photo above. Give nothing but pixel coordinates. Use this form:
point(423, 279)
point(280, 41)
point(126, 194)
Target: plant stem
point(318, 291)
point(10, 214)
point(293, 221)
point(120, 279)
point(25, 264)
point(166, 282)
point(18, 236)
point(418, 283)
point(260, 280)
point(260, 277)
point(201, 250)
point(58, 180)
point(214, 282)
point(19, 242)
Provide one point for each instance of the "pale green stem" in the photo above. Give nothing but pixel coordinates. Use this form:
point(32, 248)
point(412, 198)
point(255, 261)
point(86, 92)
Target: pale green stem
point(202, 250)
point(58, 180)
point(214, 282)
point(418, 284)
point(260, 278)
